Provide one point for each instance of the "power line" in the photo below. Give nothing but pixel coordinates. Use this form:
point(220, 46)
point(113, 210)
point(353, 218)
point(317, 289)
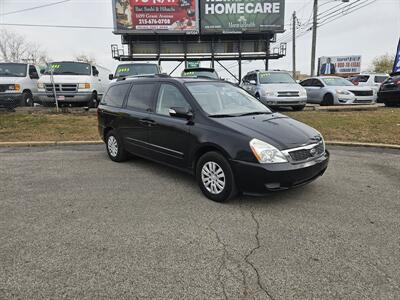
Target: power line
point(57, 26)
point(33, 8)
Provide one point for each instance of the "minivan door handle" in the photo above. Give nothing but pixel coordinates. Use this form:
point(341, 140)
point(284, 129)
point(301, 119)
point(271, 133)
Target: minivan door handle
point(147, 122)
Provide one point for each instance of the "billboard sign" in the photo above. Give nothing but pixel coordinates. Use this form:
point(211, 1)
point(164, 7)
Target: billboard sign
point(331, 65)
point(396, 65)
point(239, 16)
point(156, 16)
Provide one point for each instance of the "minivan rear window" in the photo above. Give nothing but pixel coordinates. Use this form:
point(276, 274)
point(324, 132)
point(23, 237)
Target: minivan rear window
point(362, 78)
point(115, 95)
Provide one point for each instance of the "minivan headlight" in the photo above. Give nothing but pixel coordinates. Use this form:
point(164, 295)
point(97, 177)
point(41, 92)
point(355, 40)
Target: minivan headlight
point(266, 153)
point(14, 87)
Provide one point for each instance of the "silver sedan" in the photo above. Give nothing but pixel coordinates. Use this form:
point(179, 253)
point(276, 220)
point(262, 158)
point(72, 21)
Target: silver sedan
point(331, 90)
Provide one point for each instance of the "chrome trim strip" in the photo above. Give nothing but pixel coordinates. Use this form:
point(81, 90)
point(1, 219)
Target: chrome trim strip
point(307, 147)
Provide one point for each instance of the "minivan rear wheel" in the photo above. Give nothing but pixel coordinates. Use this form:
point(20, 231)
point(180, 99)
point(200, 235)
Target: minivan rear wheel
point(215, 177)
point(115, 149)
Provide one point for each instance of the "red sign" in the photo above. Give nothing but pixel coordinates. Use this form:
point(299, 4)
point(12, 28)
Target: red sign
point(156, 15)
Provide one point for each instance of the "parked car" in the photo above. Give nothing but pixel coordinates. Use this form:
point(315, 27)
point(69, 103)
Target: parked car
point(200, 72)
point(18, 83)
point(275, 89)
point(75, 83)
point(212, 129)
point(332, 90)
point(135, 69)
point(372, 80)
point(389, 93)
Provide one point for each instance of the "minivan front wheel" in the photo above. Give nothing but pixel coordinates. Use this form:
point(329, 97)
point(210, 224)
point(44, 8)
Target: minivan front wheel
point(215, 177)
point(115, 149)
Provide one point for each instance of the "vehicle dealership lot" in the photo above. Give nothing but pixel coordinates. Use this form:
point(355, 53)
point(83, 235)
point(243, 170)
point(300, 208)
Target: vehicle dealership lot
point(109, 230)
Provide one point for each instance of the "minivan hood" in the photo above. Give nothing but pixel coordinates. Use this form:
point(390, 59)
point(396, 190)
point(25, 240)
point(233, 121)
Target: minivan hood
point(282, 87)
point(11, 80)
point(276, 129)
point(66, 79)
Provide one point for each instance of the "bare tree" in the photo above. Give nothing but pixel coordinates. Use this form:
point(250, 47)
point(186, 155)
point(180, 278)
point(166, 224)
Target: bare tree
point(15, 48)
point(383, 63)
point(85, 58)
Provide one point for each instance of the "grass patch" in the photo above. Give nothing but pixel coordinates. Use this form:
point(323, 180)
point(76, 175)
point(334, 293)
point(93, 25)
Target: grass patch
point(380, 126)
point(16, 127)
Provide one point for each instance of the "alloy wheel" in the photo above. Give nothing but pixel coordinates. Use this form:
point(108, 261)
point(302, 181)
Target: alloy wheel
point(213, 177)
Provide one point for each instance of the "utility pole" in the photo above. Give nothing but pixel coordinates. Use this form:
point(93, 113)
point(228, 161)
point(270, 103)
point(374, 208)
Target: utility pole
point(294, 19)
point(314, 37)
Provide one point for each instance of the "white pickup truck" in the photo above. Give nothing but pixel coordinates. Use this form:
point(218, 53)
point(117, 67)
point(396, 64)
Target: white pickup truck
point(18, 84)
point(75, 83)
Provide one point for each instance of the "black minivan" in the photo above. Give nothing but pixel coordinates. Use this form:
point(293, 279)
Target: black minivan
point(213, 129)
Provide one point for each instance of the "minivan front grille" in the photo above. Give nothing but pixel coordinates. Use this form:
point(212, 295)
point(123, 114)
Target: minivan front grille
point(307, 152)
point(4, 87)
point(65, 87)
point(288, 94)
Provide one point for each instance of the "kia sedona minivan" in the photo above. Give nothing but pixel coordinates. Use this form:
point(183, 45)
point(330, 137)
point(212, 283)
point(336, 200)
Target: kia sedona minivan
point(213, 129)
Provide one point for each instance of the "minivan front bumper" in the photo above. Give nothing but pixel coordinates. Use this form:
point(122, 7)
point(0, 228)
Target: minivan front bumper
point(76, 97)
point(256, 178)
point(284, 101)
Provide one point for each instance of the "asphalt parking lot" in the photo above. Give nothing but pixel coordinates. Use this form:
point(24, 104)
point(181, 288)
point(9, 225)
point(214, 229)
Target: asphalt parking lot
point(75, 225)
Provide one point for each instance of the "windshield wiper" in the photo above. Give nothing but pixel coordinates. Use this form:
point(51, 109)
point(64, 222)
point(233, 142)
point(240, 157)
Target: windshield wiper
point(255, 113)
point(222, 116)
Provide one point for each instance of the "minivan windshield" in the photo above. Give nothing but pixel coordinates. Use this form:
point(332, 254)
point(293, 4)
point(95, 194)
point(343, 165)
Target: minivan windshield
point(221, 99)
point(12, 70)
point(126, 70)
point(336, 81)
point(275, 77)
point(68, 68)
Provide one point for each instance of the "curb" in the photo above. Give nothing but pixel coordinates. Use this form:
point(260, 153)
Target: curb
point(368, 145)
point(49, 143)
point(99, 142)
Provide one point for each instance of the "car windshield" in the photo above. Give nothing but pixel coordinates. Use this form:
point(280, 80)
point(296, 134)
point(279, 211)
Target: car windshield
point(362, 78)
point(68, 68)
point(12, 70)
point(221, 99)
point(380, 79)
point(275, 77)
point(136, 69)
point(198, 73)
point(336, 81)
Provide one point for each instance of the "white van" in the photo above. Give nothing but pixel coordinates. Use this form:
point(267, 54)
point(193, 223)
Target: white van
point(135, 69)
point(18, 84)
point(75, 83)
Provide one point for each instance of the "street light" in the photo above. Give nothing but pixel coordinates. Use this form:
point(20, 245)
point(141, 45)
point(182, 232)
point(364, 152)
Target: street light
point(314, 32)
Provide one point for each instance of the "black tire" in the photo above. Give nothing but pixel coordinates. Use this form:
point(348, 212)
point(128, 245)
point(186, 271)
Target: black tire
point(92, 103)
point(27, 99)
point(222, 192)
point(328, 100)
point(120, 154)
point(298, 107)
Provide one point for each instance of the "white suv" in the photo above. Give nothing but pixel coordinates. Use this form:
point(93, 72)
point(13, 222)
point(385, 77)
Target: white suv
point(374, 81)
point(275, 88)
point(18, 84)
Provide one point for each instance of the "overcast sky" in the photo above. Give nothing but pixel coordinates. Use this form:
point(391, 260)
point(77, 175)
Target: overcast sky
point(369, 32)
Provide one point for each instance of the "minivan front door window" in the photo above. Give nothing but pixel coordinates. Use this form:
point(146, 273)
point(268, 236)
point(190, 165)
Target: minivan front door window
point(169, 96)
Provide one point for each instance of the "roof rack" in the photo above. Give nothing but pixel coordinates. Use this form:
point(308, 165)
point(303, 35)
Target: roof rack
point(162, 75)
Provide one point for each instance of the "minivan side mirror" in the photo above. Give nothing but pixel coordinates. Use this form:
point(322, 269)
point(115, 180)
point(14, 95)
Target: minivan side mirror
point(34, 75)
point(180, 112)
point(95, 73)
point(253, 82)
point(110, 76)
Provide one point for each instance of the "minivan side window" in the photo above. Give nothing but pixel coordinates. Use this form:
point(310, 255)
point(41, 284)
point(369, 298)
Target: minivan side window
point(115, 95)
point(141, 96)
point(170, 96)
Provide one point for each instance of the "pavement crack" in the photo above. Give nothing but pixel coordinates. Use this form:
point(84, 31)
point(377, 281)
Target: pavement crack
point(252, 251)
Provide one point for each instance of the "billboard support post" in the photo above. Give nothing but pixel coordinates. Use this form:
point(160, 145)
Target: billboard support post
point(240, 60)
point(267, 49)
point(212, 54)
